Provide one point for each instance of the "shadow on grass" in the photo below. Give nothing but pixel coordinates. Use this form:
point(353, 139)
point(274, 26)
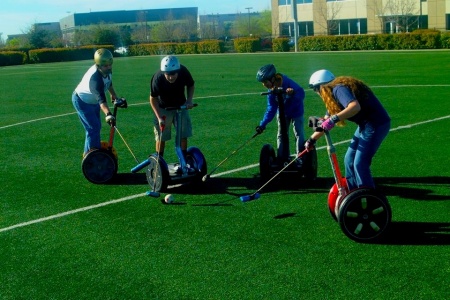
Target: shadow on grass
point(417, 233)
point(407, 187)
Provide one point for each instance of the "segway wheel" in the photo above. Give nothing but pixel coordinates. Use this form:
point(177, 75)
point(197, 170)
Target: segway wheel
point(197, 161)
point(364, 215)
point(309, 166)
point(157, 173)
point(99, 166)
point(267, 158)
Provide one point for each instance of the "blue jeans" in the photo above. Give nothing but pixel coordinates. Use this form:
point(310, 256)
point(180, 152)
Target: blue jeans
point(362, 149)
point(89, 115)
point(297, 127)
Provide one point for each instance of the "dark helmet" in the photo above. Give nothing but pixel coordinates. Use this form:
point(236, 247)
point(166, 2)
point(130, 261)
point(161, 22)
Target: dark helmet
point(266, 73)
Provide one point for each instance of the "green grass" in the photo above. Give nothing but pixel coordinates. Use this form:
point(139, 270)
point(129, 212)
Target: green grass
point(210, 245)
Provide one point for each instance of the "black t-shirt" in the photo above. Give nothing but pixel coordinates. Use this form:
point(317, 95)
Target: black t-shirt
point(171, 94)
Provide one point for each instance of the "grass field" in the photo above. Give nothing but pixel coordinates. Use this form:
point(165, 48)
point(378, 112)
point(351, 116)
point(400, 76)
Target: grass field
point(62, 237)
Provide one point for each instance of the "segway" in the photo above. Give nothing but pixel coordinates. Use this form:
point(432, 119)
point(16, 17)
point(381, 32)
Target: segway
point(189, 169)
point(271, 163)
point(100, 165)
point(364, 214)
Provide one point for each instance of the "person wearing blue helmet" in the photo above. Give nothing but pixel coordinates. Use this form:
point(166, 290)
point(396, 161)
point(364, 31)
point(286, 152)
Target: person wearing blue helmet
point(293, 96)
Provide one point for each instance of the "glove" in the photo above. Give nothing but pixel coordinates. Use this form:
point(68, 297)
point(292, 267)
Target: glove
point(110, 119)
point(310, 143)
point(260, 129)
point(121, 102)
point(329, 123)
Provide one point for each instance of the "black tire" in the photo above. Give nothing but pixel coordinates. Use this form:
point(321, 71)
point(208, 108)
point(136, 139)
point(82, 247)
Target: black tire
point(267, 158)
point(364, 215)
point(309, 166)
point(157, 173)
point(99, 166)
point(196, 160)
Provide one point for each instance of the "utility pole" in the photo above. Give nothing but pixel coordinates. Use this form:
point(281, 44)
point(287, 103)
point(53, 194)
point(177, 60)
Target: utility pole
point(248, 9)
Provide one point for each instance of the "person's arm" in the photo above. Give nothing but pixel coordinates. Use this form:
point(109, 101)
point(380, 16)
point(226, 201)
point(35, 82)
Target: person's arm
point(113, 93)
point(352, 109)
point(190, 96)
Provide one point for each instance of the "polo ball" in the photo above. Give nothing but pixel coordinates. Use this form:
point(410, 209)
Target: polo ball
point(169, 198)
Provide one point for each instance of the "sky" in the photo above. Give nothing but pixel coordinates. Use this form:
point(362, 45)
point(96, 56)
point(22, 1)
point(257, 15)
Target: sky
point(18, 16)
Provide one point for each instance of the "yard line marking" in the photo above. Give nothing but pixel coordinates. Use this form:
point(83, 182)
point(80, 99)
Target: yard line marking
point(71, 212)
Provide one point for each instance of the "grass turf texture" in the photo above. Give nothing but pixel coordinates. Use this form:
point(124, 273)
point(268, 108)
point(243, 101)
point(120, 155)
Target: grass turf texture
point(211, 246)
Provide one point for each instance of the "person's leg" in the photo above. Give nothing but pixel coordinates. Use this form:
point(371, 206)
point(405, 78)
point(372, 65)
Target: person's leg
point(349, 161)
point(299, 134)
point(186, 130)
point(370, 140)
point(162, 137)
point(283, 151)
point(89, 115)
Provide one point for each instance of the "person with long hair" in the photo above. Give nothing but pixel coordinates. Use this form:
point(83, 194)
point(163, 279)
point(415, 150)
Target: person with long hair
point(348, 98)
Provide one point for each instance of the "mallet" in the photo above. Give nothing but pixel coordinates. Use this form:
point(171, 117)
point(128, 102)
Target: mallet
point(207, 176)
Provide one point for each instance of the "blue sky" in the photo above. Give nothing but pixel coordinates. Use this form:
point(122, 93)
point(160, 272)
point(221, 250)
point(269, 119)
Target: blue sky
point(17, 16)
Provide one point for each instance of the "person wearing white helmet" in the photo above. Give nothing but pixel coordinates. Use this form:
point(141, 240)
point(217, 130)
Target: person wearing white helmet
point(348, 98)
point(293, 96)
point(89, 98)
point(171, 86)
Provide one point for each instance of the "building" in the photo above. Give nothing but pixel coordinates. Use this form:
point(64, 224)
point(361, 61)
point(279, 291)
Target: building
point(339, 17)
point(134, 18)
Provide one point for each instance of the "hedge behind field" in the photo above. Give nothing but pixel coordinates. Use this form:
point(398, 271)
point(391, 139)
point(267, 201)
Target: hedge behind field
point(10, 58)
point(419, 39)
point(47, 55)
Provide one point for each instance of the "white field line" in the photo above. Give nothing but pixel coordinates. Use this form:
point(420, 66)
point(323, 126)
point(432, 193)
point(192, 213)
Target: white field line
point(71, 212)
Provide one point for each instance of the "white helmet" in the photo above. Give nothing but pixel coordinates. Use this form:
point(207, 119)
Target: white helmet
point(320, 77)
point(169, 64)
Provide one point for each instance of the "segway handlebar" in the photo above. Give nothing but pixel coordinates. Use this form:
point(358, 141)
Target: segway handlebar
point(121, 102)
point(315, 123)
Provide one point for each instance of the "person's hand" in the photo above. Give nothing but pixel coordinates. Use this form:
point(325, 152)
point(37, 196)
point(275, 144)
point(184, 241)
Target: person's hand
point(328, 124)
point(162, 123)
point(260, 129)
point(310, 144)
point(289, 91)
point(110, 119)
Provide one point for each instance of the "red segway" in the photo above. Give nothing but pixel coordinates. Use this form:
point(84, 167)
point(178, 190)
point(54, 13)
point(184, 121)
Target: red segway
point(100, 165)
point(364, 214)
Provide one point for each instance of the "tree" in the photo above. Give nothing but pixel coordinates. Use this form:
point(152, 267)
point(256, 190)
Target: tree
point(329, 12)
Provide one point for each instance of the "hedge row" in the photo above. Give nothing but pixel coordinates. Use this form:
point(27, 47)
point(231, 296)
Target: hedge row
point(420, 39)
point(9, 58)
point(203, 47)
point(64, 54)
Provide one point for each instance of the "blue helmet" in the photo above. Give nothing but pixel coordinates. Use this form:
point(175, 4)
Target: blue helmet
point(266, 73)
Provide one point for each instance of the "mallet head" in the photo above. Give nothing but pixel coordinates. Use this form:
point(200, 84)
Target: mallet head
point(250, 197)
point(206, 177)
point(153, 194)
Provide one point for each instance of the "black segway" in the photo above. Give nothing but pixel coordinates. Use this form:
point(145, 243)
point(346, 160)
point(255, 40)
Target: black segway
point(271, 162)
point(364, 214)
point(189, 169)
point(100, 165)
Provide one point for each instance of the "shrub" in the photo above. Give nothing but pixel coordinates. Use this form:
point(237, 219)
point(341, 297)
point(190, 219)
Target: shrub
point(10, 58)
